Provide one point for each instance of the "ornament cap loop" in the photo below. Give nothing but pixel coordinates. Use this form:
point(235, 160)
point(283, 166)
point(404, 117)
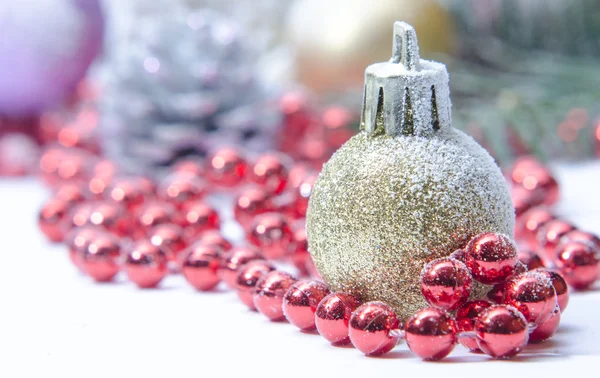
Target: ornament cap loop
point(406, 48)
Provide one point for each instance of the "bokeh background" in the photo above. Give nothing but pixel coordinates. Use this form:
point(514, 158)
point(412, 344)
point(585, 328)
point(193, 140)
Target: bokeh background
point(149, 82)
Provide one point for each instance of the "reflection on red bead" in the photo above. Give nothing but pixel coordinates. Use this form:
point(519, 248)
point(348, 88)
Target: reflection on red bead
point(466, 317)
point(333, 315)
point(100, 259)
point(549, 237)
point(370, 328)
point(271, 233)
point(170, 238)
point(529, 224)
point(578, 235)
point(129, 192)
point(269, 291)
point(533, 176)
point(560, 287)
point(72, 193)
point(232, 260)
point(579, 263)
point(431, 334)
point(250, 203)
point(247, 277)
point(52, 219)
point(77, 241)
point(180, 189)
point(298, 174)
point(102, 175)
point(300, 303)
point(189, 166)
point(522, 201)
point(547, 329)
point(150, 215)
point(225, 167)
point(445, 283)
point(459, 255)
point(200, 266)
point(59, 165)
point(491, 257)
point(501, 331)
point(533, 294)
point(302, 195)
point(213, 237)
point(530, 259)
point(197, 217)
point(108, 215)
point(146, 264)
point(270, 171)
point(299, 250)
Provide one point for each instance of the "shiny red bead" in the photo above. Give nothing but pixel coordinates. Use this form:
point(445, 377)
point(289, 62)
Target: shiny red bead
point(370, 328)
point(271, 233)
point(459, 255)
point(201, 265)
point(579, 263)
point(72, 193)
point(547, 329)
point(100, 259)
point(578, 235)
point(300, 303)
point(105, 214)
point(560, 287)
point(431, 334)
point(491, 257)
point(197, 217)
point(232, 260)
point(270, 171)
point(302, 195)
point(170, 238)
point(501, 331)
point(530, 259)
point(146, 264)
point(52, 219)
point(533, 176)
point(250, 203)
point(466, 317)
point(549, 237)
point(298, 173)
point(446, 283)
point(299, 250)
point(247, 277)
point(213, 237)
point(129, 192)
point(189, 166)
point(150, 215)
point(533, 294)
point(226, 167)
point(103, 173)
point(180, 189)
point(60, 165)
point(529, 224)
point(77, 241)
point(269, 292)
point(333, 315)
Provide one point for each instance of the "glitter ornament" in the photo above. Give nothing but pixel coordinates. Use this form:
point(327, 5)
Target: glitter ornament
point(406, 190)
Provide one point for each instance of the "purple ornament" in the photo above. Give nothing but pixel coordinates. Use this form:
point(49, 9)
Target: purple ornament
point(46, 49)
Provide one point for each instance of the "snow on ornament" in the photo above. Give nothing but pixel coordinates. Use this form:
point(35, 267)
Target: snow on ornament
point(409, 188)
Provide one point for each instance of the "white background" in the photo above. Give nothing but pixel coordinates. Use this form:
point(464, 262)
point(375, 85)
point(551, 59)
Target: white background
point(56, 323)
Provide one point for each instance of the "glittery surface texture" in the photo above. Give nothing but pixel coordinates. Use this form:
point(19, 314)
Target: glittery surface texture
point(384, 206)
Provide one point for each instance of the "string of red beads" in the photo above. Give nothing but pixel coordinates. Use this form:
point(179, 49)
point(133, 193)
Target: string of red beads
point(113, 222)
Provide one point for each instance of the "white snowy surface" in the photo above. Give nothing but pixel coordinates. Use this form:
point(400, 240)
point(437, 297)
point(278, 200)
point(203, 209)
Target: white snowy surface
point(55, 322)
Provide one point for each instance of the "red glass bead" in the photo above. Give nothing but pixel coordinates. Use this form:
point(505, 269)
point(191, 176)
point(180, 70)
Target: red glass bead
point(491, 257)
point(547, 329)
point(200, 266)
point(529, 224)
point(370, 328)
point(541, 181)
point(333, 315)
point(431, 333)
point(170, 238)
point(102, 176)
point(530, 259)
point(297, 174)
point(459, 255)
point(225, 167)
point(302, 195)
point(52, 219)
point(523, 201)
point(299, 250)
point(150, 215)
point(108, 215)
point(270, 171)
point(549, 237)
point(100, 259)
point(60, 165)
point(501, 331)
point(232, 260)
point(72, 194)
point(197, 217)
point(129, 192)
point(189, 166)
point(180, 189)
point(271, 233)
point(269, 291)
point(445, 283)
point(146, 264)
point(214, 237)
point(560, 287)
point(578, 235)
point(300, 303)
point(466, 317)
point(77, 241)
point(579, 264)
point(248, 276)
point(533, 295)
point(250, 203)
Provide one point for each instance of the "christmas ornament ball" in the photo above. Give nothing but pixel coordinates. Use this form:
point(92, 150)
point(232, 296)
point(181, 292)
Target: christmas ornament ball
point(406, 190)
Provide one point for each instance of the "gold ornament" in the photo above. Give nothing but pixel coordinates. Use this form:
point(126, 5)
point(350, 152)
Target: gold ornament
point(335, 40)
point(407, 189)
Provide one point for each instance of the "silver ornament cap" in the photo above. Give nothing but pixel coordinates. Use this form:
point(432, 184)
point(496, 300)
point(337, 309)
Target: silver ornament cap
point(407, 95)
